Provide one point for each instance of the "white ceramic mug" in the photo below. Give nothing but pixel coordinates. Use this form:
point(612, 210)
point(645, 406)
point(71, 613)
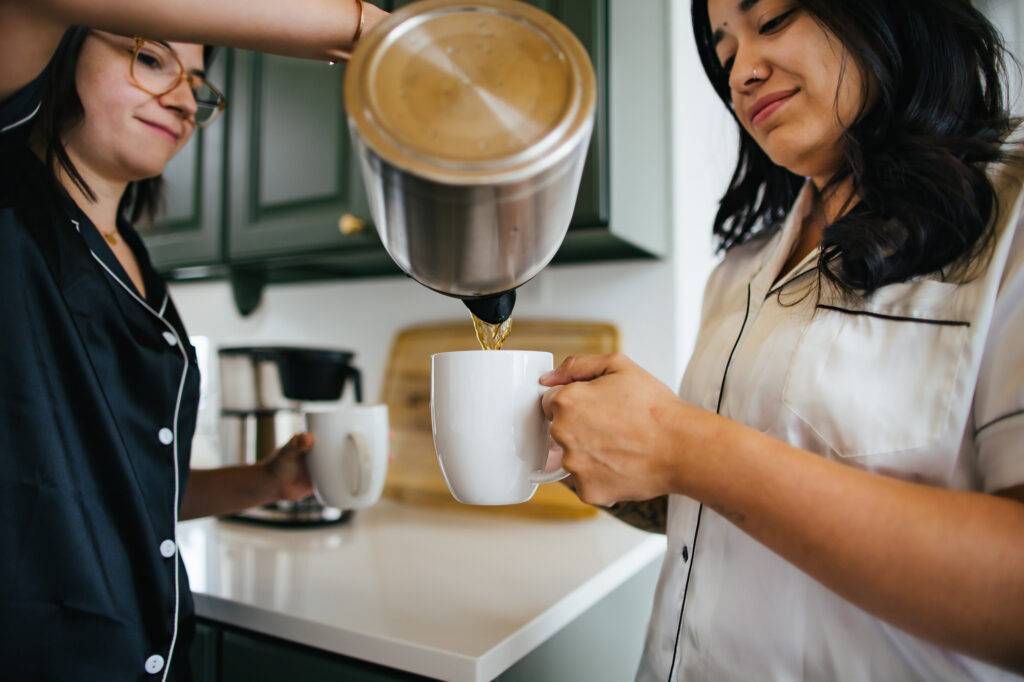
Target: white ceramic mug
point(349, 459)
point(490, 432)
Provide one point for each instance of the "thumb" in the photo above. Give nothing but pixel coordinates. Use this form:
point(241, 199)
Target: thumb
point(580, 368)
point(299, 443)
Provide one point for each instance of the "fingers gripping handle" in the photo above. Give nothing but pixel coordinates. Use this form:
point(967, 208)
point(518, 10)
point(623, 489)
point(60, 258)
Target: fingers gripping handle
point(548, 476)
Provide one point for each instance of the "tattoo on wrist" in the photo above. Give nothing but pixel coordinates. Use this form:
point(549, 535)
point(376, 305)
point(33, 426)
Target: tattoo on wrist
point(649, 515)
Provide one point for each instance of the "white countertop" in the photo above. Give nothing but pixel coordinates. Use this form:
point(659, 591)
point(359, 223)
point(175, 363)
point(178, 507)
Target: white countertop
point(451, 594)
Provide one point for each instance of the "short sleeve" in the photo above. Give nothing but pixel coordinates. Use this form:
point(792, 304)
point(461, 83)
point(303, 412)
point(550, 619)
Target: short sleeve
point(999, 398)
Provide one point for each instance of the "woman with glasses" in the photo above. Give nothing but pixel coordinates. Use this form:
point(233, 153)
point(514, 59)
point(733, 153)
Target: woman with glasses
point(99, 386)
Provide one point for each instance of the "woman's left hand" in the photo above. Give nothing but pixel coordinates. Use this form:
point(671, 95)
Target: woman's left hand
point(614, 424)
point(287, 468)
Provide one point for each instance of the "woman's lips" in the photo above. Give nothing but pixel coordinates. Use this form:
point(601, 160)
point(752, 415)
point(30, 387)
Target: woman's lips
point(162, 129)
point(768, 105)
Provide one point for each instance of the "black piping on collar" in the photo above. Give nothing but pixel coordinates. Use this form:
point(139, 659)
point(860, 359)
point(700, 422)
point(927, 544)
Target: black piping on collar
point(12, 126)
point(789, 281)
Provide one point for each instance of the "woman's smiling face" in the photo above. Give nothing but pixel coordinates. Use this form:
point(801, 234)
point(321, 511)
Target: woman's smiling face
point(794, 88)
point(126, 133)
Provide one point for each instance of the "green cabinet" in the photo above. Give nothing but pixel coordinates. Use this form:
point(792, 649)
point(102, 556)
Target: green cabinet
point(205, 653)
point(226, 654)
point(272, 193)
point(293, 182)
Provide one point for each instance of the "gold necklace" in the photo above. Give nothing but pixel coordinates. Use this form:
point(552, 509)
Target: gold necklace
point(111, 237)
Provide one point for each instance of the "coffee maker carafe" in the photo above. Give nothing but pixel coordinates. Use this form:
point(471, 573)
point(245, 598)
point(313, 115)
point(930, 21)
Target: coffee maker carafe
point(266, 392)
point(472, 165)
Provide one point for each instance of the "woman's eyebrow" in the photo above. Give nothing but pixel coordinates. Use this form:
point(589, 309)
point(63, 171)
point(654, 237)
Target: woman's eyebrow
point(744, 6)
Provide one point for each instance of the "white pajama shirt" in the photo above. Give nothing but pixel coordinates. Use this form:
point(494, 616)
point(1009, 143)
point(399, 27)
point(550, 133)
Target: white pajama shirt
point(923, 381)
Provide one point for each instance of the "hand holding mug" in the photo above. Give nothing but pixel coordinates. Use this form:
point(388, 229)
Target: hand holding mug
point(624, 435)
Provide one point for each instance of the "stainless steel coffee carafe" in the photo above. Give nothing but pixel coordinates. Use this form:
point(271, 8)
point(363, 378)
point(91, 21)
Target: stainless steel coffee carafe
point(266, 392)
point(471, 122)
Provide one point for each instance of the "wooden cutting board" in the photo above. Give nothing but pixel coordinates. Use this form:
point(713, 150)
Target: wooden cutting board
point(414, 474)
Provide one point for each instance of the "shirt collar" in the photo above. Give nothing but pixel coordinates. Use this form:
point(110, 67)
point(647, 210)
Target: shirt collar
point(776, 252)
point(74, 218)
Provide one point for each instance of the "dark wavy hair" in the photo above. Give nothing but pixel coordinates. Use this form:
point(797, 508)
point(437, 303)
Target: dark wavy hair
point(917, 156)
point(62, 110)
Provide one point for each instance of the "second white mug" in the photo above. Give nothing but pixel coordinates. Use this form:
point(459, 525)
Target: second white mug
point(349, 459)
point(490, 432)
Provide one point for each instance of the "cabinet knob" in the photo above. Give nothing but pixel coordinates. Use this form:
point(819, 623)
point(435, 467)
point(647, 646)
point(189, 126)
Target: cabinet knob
point(350, 224)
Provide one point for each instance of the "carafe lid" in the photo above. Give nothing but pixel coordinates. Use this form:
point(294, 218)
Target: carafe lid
point(466, 92)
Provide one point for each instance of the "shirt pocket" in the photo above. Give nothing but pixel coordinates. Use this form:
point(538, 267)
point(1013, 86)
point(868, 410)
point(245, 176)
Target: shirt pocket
point(876, 382)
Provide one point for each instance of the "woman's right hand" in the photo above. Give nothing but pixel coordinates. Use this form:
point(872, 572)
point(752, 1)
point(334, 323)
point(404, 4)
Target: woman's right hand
point(617, 427)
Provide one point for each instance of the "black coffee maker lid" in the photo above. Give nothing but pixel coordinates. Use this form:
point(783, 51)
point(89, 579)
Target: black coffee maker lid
point(306, 373)
point(335, 355)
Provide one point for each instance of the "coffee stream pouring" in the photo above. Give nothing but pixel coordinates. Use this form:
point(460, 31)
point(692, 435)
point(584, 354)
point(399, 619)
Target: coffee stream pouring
point(471, 122)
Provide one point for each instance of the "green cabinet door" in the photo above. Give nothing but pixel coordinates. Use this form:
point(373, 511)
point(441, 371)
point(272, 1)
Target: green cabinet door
point(293, 187)
point(587, 19)
point(205, 654)
point(248, 657)
point(187, 231)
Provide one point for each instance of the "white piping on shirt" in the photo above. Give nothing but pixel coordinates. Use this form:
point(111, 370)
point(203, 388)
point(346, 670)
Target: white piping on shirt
point(12, 126)
point(177, 406)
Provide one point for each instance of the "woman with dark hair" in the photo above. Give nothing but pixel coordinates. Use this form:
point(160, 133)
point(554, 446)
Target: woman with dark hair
point(841, 477)
point(100, 387)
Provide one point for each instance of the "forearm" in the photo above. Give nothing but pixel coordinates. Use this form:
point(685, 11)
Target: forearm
point(313, 29)
point(212, 492)
point(947, 566)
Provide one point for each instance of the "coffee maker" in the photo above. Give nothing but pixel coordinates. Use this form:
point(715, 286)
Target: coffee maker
point(266, 393)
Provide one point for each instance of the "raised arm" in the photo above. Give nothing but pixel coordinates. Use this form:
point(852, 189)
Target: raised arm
point(315, 29)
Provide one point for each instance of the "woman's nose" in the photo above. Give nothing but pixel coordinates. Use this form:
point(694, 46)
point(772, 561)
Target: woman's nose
point(747, 69)
point(181, 99)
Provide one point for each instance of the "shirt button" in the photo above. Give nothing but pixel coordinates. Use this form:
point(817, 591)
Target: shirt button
point(167, 549)
point(170, 339)
point(166, 436)
point(154, 664)
point(686, 553)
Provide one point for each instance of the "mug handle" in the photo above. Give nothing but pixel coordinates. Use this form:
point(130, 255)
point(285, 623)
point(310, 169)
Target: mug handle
point(547, 476)
point(356, 445)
